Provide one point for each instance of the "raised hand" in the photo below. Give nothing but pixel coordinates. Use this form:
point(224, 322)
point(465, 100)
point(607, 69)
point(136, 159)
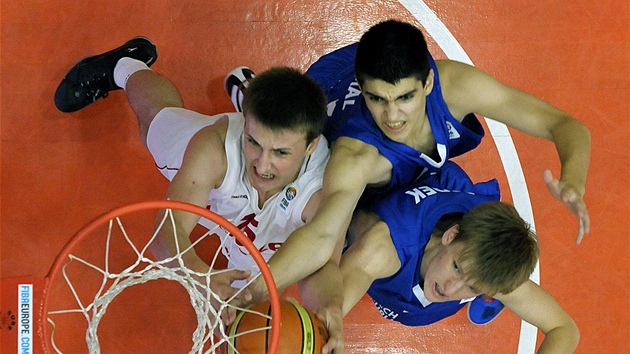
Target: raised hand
point(221, 285)
point(573, 198)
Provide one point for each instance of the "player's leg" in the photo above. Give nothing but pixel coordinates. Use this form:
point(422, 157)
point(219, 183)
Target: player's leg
point(125, 67)
point(147, 91)
point(92, 77)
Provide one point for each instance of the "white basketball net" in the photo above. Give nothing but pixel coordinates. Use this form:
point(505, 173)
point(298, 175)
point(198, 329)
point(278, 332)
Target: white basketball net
point(145, 269)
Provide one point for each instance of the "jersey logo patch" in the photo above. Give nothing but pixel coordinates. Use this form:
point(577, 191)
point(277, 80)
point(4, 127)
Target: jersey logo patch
point(289, 194)
point(452, 132)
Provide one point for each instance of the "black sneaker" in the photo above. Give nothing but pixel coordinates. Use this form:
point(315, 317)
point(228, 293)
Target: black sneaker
point(235, 84)
point(93, 77)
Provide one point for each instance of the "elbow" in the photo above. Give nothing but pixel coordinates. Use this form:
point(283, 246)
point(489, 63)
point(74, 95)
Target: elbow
point(575, 334)
point(584, 132)
point(562, 339)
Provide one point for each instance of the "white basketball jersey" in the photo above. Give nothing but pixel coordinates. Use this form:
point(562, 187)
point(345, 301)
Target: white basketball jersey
point(237, 201)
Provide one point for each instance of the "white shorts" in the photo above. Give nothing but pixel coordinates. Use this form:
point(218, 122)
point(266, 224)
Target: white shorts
point(169, 135)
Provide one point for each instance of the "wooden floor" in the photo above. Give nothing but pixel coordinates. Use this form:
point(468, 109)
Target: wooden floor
point(58, 171)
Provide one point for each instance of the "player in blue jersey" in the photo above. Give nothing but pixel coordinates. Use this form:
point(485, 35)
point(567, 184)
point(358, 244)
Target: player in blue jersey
point(388, 92)
point(422, 252)
point(407, 115)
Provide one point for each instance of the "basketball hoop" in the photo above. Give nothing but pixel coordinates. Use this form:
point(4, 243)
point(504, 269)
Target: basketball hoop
point(107, 267)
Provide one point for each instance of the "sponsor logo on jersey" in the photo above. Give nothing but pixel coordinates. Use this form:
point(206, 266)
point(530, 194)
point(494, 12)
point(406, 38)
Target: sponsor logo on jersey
point(421, 192)
point(386, 312)
point(289, 194)
point(353, 91)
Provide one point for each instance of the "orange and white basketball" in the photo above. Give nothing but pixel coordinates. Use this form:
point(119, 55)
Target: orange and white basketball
point(300, 331)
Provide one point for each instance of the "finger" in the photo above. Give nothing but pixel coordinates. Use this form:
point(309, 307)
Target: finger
point(217, 332)
point(239, 275)
point(241, 300)
point(571, 195)
point(244, 296)
point(329, 346)
point(320, 316)
point(552, 184)
point(587, 222)
point(578, 208)
point(228, 316)
point(547, 176)
point(580, 235)
point(235, 295)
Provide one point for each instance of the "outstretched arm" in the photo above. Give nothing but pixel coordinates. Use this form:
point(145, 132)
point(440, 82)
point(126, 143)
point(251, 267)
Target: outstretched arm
point(371, 255)
point(334, 290)
point(352, 166)
point(467, 89)
point(192, 184)
point(536, 306)
point(322, 292)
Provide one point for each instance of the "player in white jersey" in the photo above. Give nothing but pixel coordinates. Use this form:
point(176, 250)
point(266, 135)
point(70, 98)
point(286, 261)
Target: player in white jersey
point(267, 226)
point(261, 169)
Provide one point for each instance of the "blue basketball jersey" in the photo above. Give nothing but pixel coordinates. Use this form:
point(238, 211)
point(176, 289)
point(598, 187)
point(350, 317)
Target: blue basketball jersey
point(411, 213)
point(349, 116)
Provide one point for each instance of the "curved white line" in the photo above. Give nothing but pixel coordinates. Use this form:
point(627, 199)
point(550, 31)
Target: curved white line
point(502, 139)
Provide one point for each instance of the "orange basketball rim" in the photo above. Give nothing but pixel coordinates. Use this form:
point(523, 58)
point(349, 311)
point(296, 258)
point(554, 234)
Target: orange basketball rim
point(26, 301)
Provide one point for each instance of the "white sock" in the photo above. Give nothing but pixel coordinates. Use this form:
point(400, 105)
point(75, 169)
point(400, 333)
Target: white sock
point(125, 68)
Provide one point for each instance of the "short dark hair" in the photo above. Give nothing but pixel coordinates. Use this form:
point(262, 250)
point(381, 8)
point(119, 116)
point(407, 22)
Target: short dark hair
point(283, 98)
point(391, 51)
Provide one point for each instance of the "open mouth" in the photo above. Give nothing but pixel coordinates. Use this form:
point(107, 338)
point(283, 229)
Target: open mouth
point(438, 290)
point(394, 125)
point(264, 175)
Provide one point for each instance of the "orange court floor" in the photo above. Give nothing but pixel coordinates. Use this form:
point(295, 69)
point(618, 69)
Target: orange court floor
point(59, 170)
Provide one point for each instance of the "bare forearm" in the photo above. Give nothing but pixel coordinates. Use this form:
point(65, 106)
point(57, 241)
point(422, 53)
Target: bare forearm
point(573, 143)
point(356, 285)
point(322, 293)
point(324, 288)
point(561, 340)
point(300, 256)
point(166, 245)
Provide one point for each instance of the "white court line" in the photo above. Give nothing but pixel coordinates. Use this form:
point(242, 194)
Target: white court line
point(502, 139)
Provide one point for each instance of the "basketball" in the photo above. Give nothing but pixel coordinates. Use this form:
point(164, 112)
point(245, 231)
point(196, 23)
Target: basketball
point(300, 331)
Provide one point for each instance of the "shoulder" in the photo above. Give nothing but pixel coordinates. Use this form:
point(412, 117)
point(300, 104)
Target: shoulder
point(210, 137)
point(376, 248)
point(464, 87)
point(452, 72)
point(205, 155)
point(217, 130)
point(364, 160)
